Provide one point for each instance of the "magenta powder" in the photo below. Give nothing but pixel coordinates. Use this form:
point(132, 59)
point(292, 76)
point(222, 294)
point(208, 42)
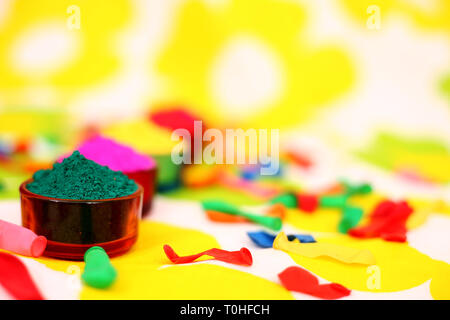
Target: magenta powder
point(115, 156)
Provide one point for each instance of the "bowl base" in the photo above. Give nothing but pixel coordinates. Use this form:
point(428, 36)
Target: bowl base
point(71, 251)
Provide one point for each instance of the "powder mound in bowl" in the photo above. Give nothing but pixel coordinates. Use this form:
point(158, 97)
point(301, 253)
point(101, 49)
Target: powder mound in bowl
point(79, 178)
point(116, 156)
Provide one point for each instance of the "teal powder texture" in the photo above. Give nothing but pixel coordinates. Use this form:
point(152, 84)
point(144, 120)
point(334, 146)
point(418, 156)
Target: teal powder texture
point(82, 179)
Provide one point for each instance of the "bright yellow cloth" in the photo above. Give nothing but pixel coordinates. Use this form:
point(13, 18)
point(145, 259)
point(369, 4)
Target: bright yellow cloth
point(316, 250)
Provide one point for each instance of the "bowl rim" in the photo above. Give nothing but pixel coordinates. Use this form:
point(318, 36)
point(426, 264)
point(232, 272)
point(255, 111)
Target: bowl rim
point(24, 191)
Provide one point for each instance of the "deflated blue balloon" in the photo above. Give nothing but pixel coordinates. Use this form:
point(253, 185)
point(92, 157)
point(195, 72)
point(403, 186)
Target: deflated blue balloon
point(264, 239)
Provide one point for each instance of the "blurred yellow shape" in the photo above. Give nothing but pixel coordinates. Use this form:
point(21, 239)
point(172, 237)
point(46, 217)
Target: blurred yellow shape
point(440, 283)
point(324, 250)
point(93, 56)
point(22, 123)
point(199, 281)
point(431, 15)
point(327, 219)
point(435, 167)
point(422, 208)
point(424, 157)
point(367, 201)
point(321, 220)
point(311, 75)
point(442, 207)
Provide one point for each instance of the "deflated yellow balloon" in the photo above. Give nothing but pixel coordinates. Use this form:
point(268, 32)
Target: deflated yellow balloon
point(317, 250)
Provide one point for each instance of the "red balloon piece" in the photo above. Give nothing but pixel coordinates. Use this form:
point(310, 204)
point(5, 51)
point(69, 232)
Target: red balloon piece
point(387, 221)
point(301, 280)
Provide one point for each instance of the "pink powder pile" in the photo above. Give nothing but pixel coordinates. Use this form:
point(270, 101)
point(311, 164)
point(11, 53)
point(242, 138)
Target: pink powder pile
point(115, 156)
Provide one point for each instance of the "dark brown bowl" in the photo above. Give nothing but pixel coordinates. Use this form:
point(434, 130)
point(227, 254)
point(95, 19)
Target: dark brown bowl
point(73, 226)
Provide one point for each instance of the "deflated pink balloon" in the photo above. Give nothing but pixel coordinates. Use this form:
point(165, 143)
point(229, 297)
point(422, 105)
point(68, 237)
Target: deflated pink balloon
point(21, 240)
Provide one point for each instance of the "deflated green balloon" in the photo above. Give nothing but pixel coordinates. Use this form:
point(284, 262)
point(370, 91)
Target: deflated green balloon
point(221, 206)
point(352, 189)
point(333, 201)
point(273, 223)
point(98, 272)
point(289, 200)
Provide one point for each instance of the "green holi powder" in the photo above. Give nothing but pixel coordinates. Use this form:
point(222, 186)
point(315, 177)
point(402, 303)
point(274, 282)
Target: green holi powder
point(79, 178)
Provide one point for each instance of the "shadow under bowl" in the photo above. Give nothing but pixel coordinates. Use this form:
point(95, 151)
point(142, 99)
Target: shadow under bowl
point(73, 226)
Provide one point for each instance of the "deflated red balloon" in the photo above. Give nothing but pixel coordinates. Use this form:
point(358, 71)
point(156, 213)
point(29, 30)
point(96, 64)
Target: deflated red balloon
point(16, 280)
point(242, 257)
point(387, 221)
point(307, 202)
point(301, 280)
